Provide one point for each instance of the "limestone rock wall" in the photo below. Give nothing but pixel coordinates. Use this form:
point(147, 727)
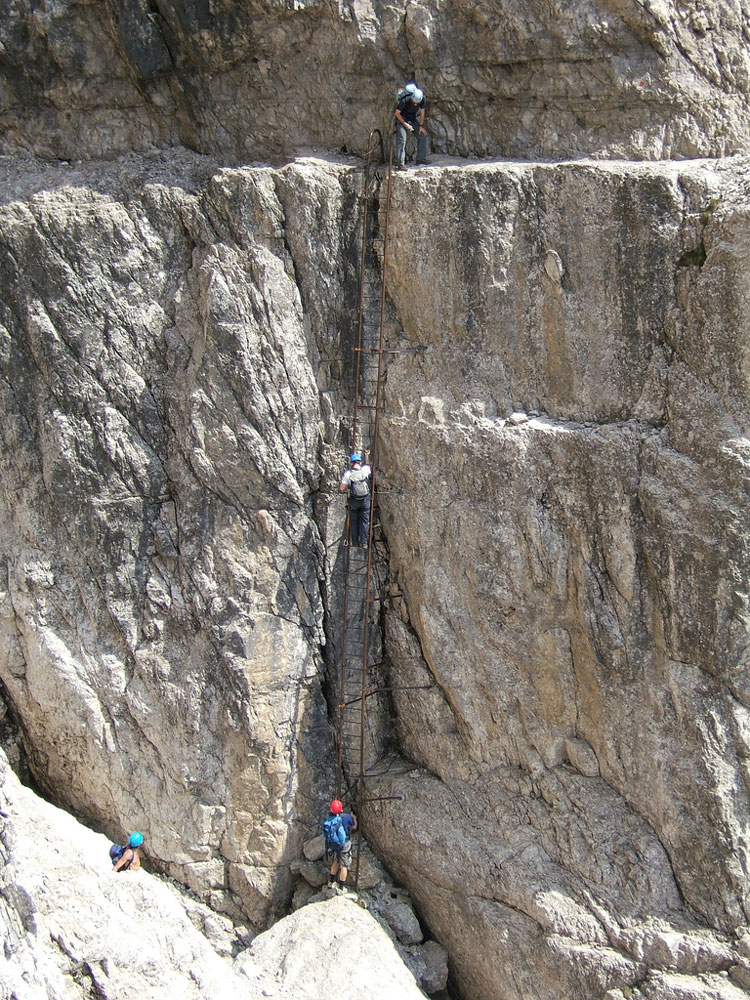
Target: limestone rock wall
point(266, 79)
point(564, 445)
point(161, 609)
point(565, 457)
point(73, 929)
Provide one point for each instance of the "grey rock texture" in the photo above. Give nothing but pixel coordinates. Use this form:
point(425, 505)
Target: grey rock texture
point(161, 611)
point(391, 907)
point(564, 442)
point(71, 928)
point(335, 944)
point(268, 79)
point(575, 577)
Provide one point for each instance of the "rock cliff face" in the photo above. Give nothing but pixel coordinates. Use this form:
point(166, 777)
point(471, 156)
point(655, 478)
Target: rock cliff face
point(526, 78)
point(564, 446)
point(564, 452)
point(162, 615)
point(574, 575)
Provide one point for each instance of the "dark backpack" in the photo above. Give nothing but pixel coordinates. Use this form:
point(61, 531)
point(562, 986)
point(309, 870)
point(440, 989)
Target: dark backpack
point(335, 832)
point(116, 851)
point(358, 486)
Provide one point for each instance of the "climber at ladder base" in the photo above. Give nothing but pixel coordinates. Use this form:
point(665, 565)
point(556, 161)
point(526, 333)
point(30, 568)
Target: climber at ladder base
point(337, 830)
point(356, 481)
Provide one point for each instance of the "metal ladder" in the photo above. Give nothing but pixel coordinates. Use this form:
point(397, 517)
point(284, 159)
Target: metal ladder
point(353, 680)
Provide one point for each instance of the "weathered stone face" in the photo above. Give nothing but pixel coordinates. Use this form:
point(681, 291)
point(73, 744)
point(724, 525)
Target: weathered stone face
point(564, 441)
point(268, 79)
point(72, 928)
point(573, 580)
point(162, 616)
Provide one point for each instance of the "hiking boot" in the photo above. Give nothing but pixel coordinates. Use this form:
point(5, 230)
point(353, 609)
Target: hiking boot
point(342, 889)
point(424, 163)
point(401, 166)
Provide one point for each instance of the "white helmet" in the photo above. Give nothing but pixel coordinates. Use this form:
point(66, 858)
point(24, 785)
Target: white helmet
point(417, 96)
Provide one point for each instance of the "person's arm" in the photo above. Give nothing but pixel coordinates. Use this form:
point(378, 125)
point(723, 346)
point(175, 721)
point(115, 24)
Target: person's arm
point(344, 484)
point(422, 110)
point(124, 859)
point(399, 118)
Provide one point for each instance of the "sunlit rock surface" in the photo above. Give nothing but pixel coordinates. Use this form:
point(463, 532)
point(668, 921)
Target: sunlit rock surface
point(72, 928)
point(564, 447)
point(566, 462)
point(161, 609)
point(267, 79)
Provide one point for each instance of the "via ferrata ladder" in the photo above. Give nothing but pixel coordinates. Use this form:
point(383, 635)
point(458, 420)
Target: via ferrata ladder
point(358, 641)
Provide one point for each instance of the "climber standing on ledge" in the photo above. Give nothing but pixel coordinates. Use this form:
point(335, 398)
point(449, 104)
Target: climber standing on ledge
point(410, 111)
point(356, 481)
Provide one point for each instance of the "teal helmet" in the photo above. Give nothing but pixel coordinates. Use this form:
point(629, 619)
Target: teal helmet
point(136, 839)
point(355, 457)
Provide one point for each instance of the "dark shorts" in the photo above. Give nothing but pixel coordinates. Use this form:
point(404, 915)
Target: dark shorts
point(344, 856)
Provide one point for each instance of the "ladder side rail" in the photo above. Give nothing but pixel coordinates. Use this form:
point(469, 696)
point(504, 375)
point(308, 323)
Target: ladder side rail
point(355, 423)
point(362, 278)
point(376, 429)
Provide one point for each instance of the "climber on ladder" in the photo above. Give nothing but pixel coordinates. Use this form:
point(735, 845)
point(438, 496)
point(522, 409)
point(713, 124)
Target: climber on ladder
point(356, 481)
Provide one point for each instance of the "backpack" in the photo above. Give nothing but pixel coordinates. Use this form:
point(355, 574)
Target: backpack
point(358, 486)
point(335, 832)
point(116, 851)
point(406, 91)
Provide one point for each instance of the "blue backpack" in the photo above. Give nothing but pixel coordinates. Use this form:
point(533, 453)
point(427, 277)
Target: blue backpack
point(116, 851)
point(335, 832)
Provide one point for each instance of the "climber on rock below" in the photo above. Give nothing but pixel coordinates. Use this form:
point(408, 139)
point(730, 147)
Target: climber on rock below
point(356, 481)
point(337, 831)
point(127, 858)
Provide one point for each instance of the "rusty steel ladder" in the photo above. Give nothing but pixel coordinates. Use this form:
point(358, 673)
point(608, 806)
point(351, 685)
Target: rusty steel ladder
point(353, 681)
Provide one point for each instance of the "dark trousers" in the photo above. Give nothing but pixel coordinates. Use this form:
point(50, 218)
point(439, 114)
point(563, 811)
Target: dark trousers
point(359, 520)
point(401, 137)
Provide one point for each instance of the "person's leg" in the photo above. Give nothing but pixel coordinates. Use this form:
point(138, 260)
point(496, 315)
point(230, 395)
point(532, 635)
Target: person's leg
point(355, 516)
point(345, 860)
point(364, 522)
point(334, 869)
point(422, 148)
point(400, 145)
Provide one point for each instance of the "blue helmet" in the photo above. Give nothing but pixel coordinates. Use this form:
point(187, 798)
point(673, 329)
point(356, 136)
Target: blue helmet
point(355, 457)
point(136, 839)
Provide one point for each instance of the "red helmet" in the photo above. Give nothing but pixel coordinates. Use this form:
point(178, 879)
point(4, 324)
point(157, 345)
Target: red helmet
point(336, 806)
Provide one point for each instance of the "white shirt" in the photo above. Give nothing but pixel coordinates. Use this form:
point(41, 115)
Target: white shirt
point(345, 479)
